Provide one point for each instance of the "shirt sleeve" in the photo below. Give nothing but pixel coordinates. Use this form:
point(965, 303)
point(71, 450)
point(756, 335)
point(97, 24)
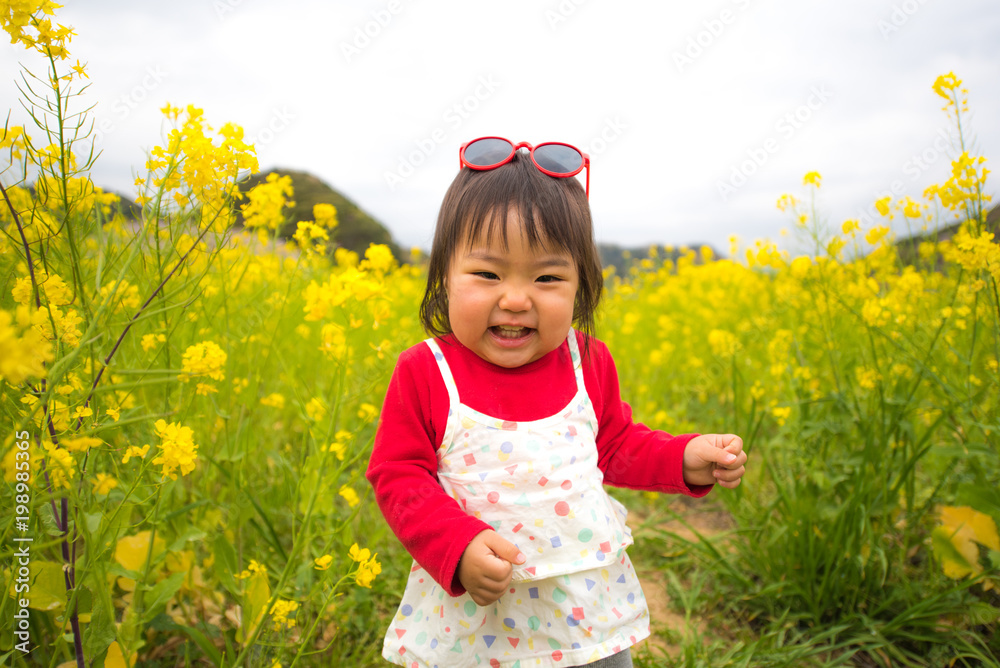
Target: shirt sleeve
point(403, 471)
point(630, 454)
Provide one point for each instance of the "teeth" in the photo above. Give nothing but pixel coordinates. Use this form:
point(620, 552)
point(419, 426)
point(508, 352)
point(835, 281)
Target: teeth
point(509, 332)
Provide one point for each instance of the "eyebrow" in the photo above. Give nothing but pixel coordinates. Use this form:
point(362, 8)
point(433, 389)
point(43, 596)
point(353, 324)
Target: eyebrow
point(546, 261)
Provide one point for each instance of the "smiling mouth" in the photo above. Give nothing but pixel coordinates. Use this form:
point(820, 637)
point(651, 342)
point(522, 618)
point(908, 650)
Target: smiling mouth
point(510, 332)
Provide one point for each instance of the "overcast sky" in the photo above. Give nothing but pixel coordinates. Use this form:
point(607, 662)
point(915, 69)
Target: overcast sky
point(697, 116)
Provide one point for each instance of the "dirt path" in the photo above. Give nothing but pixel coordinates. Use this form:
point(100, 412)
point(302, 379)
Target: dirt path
point(668, 625)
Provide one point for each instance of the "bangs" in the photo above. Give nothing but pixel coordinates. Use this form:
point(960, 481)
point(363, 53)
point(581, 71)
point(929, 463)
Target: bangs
point(554, 214)
point(551, 216)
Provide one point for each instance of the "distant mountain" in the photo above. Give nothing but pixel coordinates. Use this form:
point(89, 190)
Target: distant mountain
point(908, 247)
point(356, 229)
point(615, 255)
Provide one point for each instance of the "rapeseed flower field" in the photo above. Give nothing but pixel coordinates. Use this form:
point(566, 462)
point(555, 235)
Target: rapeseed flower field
point(188, 407)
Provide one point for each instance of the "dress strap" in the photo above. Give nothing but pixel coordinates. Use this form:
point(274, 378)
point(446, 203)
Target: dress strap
point(574, 354)
point(449, 379)
point(454, 422)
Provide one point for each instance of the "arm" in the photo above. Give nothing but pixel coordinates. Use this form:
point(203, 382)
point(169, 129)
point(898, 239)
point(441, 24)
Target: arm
point(403, 471)
point(633, 455)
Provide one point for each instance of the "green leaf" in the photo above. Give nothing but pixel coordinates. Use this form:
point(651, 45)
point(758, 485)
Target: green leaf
point(954, 542)
point(48, 586)
point(983, 613)
point(225, 564)
point(161, 593)
point(100, 632)
point(956, 565)
point(258, 593)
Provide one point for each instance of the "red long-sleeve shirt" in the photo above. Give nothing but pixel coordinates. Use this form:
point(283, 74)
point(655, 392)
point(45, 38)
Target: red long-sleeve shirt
point(403, 466)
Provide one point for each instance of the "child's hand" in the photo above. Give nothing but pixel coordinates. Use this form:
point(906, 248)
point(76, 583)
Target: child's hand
point(485, 569)
point(712, 458)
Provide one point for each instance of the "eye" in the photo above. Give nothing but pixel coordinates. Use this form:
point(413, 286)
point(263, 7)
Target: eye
point(548, 279)
point(488, 275)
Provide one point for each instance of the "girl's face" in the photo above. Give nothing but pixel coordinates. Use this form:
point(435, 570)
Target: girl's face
point(512, 306)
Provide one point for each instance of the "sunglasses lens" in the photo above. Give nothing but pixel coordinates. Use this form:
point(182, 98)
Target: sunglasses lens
point(488, 152)
point(558, 158)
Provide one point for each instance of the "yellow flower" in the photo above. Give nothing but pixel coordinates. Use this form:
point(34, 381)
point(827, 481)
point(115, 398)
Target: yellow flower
point(113, 413)
point(26, 23)
point(135, 451)
point(279, 614)
point(83, 411)
point(266, 201)
point(781, 414)
point(316, 409)
point(946, 84)
point(252, 569)
point(366, 573)
point(205, 389)
point(309, 235)
point(204, 359)
point(359, 554)
point(23, 350)
point(349, 494)
point(883, 205)
point(323, 563)
point(60, 466)
point(325, 215)
point(786, 202)
point(378, 258)
point(368, 566)
point(367, 411)
point(812, 178)
point(81, 443)
point(723, 343)
point(911, 209)
point(177, 449)
point(104, 484)
point(334, 341)
point(339, 446)
point(876, 234)
point(867, 378)
point(274, 400)
point(149, 341)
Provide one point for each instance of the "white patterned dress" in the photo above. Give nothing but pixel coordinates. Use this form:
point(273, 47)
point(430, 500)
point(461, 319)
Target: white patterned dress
point(576, 599)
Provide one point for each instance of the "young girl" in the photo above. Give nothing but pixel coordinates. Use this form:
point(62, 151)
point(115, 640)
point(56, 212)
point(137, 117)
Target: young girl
point(497, 437)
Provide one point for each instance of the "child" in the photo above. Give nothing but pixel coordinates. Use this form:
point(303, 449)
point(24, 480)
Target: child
point(496, 438)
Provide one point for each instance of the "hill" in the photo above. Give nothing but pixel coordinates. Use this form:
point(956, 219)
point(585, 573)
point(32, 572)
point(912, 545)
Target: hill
point(356, 230)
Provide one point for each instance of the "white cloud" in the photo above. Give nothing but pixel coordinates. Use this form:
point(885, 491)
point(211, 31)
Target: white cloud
point(350, 105)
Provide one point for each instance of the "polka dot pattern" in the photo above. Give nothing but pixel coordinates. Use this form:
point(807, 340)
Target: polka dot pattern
point(576, 599)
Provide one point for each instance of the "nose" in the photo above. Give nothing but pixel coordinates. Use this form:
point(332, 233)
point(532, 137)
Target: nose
point(515, 298)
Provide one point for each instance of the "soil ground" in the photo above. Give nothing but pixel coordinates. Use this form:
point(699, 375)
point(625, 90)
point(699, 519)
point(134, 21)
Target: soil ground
point(705, 517)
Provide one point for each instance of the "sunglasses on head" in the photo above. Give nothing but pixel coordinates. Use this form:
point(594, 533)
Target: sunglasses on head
point(552, 158)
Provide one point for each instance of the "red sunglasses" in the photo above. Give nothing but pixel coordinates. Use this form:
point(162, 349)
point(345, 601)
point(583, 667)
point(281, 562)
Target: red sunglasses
point(552, 158)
